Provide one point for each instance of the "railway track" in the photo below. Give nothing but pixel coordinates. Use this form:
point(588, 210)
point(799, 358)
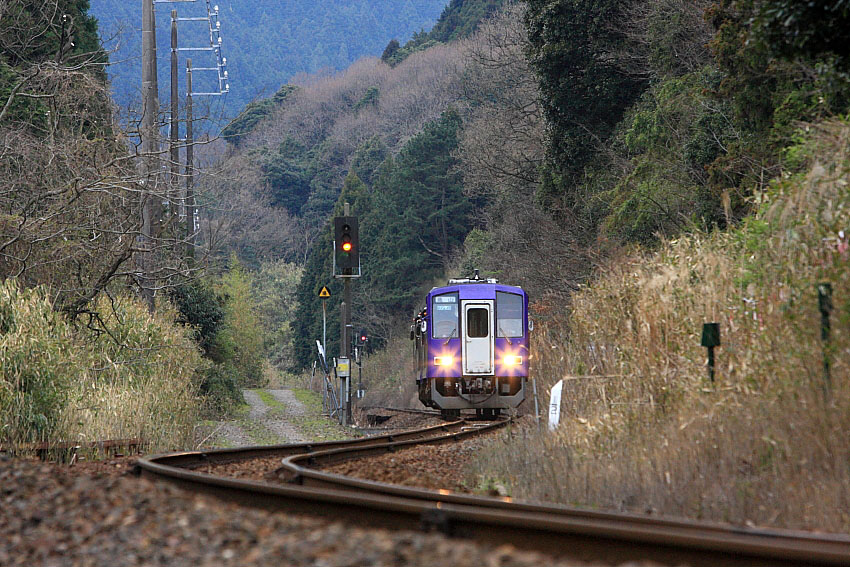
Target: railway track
point(557, 530)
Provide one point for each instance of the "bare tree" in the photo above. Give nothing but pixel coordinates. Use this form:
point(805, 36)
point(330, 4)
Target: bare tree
point(501, 152)
point(664, 37)
point(71, 190)
point(502, 143)
point(239, 216)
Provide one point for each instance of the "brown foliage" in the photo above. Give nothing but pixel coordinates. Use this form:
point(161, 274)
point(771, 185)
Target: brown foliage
point(643, 428)
point(70, 192)
point(501, 152)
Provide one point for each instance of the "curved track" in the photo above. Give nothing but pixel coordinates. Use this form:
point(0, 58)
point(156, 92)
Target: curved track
point(561, 531)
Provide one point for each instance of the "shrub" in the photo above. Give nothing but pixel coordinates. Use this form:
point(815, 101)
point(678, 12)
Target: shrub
point(220, 389)
point(127, 374)
point(239, 343)
point(38, 364)
point(200, 308)
point(644, 429)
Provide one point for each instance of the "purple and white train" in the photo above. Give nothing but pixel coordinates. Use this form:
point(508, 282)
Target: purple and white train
point(471, 345)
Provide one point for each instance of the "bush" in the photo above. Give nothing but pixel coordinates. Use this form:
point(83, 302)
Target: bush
point(220, 390)
point(38, 364)
point(644, 429)
point(200, 308)
point(125, 374)
point(239, 343)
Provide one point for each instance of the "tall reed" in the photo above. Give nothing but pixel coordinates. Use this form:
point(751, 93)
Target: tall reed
point(644, 429)
point(131, 375)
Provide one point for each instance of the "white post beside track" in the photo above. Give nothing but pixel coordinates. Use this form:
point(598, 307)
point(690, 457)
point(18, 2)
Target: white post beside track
point(555, 405)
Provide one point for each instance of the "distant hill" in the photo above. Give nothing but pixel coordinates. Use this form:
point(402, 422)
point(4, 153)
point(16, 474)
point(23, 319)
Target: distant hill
point(459, 19)
point(265, 41)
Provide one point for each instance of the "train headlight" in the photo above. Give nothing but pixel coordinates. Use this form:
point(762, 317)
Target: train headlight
point(512, 360)
point(444, 360)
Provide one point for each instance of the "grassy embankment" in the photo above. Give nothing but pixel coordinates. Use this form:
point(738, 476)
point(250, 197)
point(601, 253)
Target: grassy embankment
point(643, 428)
point(131, 375)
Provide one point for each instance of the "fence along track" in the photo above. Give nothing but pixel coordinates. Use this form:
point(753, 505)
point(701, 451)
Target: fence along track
point(560, 531)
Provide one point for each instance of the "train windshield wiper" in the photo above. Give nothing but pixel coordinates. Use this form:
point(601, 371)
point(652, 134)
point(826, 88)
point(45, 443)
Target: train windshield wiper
point(450, 336)
point(504, 334)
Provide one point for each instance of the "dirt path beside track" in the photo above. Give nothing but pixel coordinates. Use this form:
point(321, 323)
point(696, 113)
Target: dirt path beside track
point(271, 417)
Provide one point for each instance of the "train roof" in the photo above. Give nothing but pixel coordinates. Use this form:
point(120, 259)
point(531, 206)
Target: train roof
point(471, 289)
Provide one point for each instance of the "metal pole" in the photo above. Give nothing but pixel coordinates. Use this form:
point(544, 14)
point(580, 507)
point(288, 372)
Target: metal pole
point(346, 292)
point(190, 168)
point(148, 133)
point(825, 306)
point(325, 325)
point(360, 374)
point(174, 169)
point(343, 350)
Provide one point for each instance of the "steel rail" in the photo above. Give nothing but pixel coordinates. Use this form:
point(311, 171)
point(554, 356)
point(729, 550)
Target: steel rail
point(561, 531)
point(194, 459)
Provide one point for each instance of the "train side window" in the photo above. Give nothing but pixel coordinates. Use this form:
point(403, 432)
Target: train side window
point(444, 316)
point(478, 323)
point(509, 307)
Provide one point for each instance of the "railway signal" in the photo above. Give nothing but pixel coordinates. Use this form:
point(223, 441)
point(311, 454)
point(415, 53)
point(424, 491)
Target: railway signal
point(346, 246)
point(347, 259)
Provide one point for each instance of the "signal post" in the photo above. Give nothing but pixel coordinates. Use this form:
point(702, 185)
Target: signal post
point(346, 267)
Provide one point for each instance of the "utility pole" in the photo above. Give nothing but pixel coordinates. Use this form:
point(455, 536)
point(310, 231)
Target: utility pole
point(156, 201)
point(174, 165)
point(190, 165)
point(150, 107)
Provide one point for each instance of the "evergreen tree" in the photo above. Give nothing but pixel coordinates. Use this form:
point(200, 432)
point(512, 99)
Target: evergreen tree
point(367, 158)
point(584, 93)
point(390, 50)
point(411, 220)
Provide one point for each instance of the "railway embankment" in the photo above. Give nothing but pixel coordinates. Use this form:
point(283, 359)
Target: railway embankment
point(644, 428)
point(53, 515)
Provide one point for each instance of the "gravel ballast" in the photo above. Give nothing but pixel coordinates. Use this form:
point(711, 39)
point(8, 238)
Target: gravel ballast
point(96, 514)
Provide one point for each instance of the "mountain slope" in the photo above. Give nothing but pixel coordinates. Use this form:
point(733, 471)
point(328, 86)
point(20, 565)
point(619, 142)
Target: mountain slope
point(265, 41)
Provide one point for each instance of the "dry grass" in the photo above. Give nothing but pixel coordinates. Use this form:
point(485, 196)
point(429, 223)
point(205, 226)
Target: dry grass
point(643, 429)
point(66, 383)
point(388, 375)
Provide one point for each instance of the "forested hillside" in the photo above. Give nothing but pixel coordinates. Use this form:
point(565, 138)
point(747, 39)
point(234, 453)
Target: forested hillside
point(266, 42)
point(697, 154)
point(390, 138)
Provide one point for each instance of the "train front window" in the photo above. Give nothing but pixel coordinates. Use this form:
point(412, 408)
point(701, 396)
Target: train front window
point(478, 323)
point(509, 308)
point(444, 316)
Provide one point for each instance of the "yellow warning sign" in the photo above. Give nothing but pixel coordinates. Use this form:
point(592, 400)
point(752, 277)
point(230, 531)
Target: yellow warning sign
point(324, 293)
